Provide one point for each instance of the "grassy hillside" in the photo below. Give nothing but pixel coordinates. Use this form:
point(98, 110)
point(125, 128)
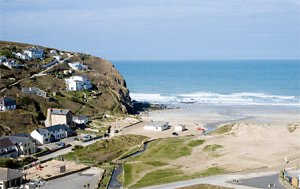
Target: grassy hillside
point(109, 93)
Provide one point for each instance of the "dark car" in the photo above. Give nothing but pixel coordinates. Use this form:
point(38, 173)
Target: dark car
point(175, 134)
point(60, 144)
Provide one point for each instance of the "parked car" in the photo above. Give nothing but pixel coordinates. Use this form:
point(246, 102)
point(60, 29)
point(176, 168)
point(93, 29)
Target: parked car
point(60, 144)
point(175, 134)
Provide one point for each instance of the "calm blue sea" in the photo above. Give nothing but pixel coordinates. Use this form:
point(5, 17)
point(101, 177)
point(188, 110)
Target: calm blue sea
point(227, 82)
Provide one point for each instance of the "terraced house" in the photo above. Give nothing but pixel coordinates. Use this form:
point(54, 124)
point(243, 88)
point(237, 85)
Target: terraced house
point(7, 148)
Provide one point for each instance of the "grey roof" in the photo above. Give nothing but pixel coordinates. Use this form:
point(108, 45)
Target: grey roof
point(19, 139)
point(55, 127)
point(5, 142)
point(157, 123)
point(60, 111)
point(7, 174)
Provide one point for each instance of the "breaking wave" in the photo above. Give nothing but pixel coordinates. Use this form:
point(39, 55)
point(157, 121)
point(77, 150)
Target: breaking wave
point(216, 98)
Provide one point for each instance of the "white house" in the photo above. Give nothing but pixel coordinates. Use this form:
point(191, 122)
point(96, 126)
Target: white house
point(57, 57)
point(77, 83)
point(156, 126)
point(77, 66)
point(51, 134)
point(12, 64)
point(34, 52)
point(21, 56)
point(3, 59)
point(80, 119)
point(7, 103)
point(53, 52)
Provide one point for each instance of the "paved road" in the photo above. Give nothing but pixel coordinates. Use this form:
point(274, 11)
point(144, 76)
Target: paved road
point(222, 180)
point(77, 180)
point(263, 181)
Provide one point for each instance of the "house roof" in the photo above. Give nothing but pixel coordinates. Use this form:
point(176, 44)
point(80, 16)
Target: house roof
point(5, 142)
point(7, 174)
point(55, 127)
point(79, 117)
point(60, 111)
point(19, 139)
point(157, 123)
point(7, 101)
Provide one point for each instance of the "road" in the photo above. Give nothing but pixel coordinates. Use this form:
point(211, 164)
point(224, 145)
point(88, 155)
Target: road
point(76, 180)
point(222, 180)
point(263, 181)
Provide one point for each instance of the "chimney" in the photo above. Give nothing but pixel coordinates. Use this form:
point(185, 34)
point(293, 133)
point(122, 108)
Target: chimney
point(48, 121)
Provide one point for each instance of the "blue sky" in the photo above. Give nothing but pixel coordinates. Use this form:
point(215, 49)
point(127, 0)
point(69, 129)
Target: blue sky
point(158, 29)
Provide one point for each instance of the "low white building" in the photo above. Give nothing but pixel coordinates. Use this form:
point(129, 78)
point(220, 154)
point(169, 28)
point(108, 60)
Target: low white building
point(180, 128)
point(51, 134)
point(77, 83)
point(156, 126)
point(53, 52)
point(57, 57)
point(21, 56)
point(80, 119)
point(34, 52)
point(77, 66)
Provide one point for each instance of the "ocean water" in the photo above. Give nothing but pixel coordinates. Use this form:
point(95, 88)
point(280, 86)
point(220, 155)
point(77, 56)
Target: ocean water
point(272, 82)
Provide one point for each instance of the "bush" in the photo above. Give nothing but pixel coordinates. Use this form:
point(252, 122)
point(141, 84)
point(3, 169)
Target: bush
point(6, 53)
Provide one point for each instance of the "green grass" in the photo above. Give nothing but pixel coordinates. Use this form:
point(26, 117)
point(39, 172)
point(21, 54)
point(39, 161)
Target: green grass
point(222, 130)
point(156, 163)
point(194, 143)
point(107, 174)
point(105, 150)
point(163, 176)
point(212, 147)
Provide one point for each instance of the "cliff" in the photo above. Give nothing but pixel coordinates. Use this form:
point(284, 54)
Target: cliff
point(108, 94)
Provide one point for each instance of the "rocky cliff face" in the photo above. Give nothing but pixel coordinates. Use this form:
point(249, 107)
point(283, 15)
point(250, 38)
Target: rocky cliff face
point(108, 95)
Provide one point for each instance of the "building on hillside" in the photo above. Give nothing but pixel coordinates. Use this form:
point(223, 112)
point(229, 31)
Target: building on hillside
point(3, 59)
point(12, 64)
point(58, 116)
point(7, 103)
point(35, 91)
point(77, 66)
point(156, 126)
point(24, 143)
point(21, 56)
point(80, 120)
point(10, 178)
point(58, 57)
point(51, 134)
point(77, 83)
point(53, 52)
point(180, 128)
point(7, 148)
point(34, 52)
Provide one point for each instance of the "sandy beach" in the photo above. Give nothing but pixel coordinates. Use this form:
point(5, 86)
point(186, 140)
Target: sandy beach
point(259, 141)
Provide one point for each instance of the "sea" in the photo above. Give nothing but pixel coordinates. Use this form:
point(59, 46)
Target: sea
point(237, 82)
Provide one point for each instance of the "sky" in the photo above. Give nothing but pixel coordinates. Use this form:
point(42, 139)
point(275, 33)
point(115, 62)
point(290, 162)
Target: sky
point(158, 29)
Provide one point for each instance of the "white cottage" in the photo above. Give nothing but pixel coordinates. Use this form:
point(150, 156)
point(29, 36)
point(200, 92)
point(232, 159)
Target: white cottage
point(156, 126)
point(77, 83)
point(34, 52)
point(51, 134)
point(7, 103)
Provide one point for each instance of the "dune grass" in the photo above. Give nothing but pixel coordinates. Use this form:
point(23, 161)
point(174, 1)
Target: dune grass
point(222, 130)
point(194, 143)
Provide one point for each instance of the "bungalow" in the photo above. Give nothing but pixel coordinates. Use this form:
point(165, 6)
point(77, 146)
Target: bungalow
point(58, 116)
point(7, 103)
point(80, 119)
point(10, 178)
point(34, 52)
point(156, 126)
point(51, 134)
point(7, 149)
point(77, 66)
point(77, 83)
point(35, 91)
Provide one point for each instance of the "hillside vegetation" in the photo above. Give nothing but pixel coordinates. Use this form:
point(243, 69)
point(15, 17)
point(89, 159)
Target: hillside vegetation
point(109, 93)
